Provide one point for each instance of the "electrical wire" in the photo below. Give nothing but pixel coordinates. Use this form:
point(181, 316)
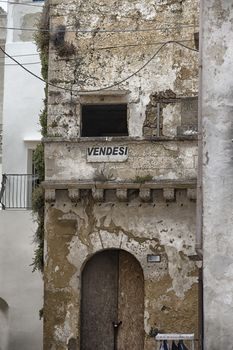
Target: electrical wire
point(95, 49)
point(178, 26)
point(97, 30)
point(16, 64)
point(23, 4)
point(99, 48)
point(109, 86)
point(135, 45)
point(25, 54)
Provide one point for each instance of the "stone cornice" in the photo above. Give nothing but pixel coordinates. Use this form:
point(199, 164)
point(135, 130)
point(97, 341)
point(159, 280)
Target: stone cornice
point(159, 184)
point(97, 189)
point(125, 139)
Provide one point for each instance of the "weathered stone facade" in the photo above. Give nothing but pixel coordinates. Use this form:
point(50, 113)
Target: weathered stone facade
point(143, 204)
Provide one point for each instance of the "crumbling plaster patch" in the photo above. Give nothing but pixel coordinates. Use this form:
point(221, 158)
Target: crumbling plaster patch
point(171, 119)
point(77, 231)
point(154, 231)
point(93, 67)
point(28, 21)
point(174, 268)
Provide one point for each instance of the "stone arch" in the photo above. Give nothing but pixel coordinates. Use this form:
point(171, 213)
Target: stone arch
point(96, 250)
point(108, 282)
point(115, 242)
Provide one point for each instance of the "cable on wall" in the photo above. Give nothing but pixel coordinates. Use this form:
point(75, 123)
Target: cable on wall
point(109, 86)
point(111, 47)
point(100, 31)
point(16, 64)
point(22, 4)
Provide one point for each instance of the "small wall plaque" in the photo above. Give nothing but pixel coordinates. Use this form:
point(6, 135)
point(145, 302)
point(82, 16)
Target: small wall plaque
point(151, 258)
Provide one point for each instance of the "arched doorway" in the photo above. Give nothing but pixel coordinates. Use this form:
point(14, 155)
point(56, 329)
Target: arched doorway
point(112, 302)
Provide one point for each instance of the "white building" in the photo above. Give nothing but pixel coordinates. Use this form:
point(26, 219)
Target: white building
point(21, 99)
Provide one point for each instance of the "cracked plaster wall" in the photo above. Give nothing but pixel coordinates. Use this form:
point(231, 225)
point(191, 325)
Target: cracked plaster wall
point(76, 231)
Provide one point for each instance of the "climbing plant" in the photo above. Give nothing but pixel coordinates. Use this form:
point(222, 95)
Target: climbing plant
point(42, 41)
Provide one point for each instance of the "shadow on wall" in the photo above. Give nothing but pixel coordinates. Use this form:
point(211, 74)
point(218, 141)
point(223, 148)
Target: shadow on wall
point(4, 325)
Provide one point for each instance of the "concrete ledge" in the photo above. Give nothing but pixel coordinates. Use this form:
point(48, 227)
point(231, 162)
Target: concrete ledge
point(160, 184)
point(53, 139)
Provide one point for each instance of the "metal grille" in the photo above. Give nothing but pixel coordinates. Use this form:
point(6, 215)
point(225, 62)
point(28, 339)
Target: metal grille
point(16, 191)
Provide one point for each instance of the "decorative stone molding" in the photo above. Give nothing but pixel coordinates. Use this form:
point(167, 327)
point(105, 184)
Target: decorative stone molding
point(192, 194)
point(74, 195)
point(121, 194)
point(169, 194)
point(50, 195)
point(145, 194)
point(98, 194)
point(121, 189)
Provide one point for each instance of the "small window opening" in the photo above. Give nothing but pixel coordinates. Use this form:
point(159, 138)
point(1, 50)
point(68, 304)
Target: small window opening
point(104, 120)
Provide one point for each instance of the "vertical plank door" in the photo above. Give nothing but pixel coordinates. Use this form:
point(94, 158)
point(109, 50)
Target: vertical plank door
point(99, 301)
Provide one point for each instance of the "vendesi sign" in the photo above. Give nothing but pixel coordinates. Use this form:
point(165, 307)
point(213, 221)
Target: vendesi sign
point(107, 154)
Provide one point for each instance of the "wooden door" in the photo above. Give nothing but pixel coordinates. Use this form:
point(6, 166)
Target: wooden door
point(99, 301)
point(112, 292)
point(130, 303)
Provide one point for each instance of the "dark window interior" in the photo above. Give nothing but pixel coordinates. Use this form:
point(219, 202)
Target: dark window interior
point(104, 120)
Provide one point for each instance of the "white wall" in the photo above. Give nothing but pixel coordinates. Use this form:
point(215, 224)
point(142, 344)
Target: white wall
point(19, 287)
point(23, 100)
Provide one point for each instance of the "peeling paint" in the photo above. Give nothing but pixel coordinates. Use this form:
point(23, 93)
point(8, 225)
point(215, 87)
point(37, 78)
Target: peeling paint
point(158, 230)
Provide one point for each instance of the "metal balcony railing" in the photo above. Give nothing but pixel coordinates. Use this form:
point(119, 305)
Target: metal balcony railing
point(16, 191)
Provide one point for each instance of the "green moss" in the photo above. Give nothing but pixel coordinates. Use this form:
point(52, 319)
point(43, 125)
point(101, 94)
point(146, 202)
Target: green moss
point(63, 48)
point(38, 259)
point(42, 38)
point(38, 200)
point(43, 122)
point(38, 159)
point(38, 209)
point(54, 124)
point(66, 49)
point(153, 332)
point(143, 179)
